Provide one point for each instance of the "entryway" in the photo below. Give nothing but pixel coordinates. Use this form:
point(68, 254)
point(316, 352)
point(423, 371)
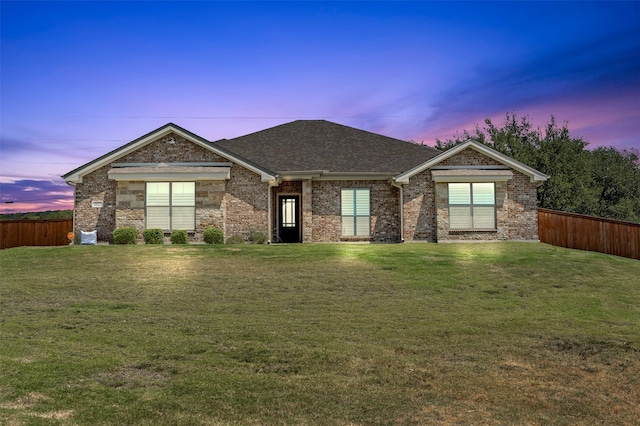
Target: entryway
point(289, 218)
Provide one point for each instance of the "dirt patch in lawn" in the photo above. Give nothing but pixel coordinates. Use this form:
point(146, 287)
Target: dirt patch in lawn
point(132, 377)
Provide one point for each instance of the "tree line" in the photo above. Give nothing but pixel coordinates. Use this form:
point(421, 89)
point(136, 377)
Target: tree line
point(601, 182)
point(49, 214)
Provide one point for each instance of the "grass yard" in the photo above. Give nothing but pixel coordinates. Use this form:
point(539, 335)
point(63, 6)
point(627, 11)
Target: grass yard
point(496, 333)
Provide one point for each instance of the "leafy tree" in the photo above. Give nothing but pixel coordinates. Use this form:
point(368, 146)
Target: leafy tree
point(603, 182)
point(567, 163)
point(616, 177)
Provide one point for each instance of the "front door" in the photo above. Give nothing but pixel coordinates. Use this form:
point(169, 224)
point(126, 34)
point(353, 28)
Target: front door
point(289, 218)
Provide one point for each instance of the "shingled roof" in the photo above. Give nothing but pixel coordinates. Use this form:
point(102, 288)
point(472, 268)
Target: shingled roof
point(312, 145)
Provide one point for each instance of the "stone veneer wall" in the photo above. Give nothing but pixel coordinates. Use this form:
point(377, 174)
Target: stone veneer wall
point(95, 187)
point(419, 208)
point(237, 206)
point(245, 203)
point(130, 205)
point(516, 204)
point(522, 216)
point(209, 210)
point(209, 206)
point(502, 209)
point(426, 209)
point(385, 211)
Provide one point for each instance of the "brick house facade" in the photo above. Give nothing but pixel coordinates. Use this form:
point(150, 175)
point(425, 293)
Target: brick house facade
point(307, 181)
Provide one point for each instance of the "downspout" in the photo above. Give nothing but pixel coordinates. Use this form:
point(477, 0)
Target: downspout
point(269, 221)
point(272, 183)
point(400, 187)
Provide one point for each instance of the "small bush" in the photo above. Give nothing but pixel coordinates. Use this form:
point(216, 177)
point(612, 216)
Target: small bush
point(236, 239)
point(179, 236)
point(213, 236)
point(125, 236)
point(257, 237)
point(153, 236)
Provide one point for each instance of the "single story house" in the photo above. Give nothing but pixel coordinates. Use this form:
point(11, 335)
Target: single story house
point(307, 181)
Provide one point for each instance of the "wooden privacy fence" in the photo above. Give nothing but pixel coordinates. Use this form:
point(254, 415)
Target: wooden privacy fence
point(589, 233)
point(52, 232)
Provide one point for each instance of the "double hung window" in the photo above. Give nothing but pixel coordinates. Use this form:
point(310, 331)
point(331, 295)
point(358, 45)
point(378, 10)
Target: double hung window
point(171, 205)
point(472, 205)
point(355, 212)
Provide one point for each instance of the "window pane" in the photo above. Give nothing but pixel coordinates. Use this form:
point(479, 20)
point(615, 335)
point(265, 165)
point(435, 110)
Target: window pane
point(157, 193)
point(288, 213)
point(183, 218)
point(362, 226)
point(459, 193)
point(158, 217)
point(355, 205)
point(459, 217)
point(348, 226)
point(484, 217)
point(483, 193)
point(348, 205)
point(362, 202)
point(183, 193)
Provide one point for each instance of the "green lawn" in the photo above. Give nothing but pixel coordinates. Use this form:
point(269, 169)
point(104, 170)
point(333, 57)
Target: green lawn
point(496, 333)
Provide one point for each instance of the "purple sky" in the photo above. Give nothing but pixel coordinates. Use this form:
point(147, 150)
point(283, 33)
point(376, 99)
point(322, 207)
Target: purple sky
point(79, 79)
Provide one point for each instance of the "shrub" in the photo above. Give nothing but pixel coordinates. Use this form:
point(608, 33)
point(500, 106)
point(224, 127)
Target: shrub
point(179, 236)
point(236, 239)
point(257, 237)
point(213, 236)
point(153, 236)
point(125, 236)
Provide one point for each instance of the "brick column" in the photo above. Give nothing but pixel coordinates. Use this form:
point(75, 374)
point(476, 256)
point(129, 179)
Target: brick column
point(307, 213)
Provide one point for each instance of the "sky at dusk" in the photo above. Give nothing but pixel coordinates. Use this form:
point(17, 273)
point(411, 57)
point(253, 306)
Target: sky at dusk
point(79, 79)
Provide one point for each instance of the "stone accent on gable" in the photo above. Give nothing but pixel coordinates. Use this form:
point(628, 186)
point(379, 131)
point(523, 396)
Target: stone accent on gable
point(470, 157)
point(162, 151)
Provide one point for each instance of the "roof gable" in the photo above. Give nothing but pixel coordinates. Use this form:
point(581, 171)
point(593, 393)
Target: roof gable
point(535, 175)
point(75, 176)
point(324, 146)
